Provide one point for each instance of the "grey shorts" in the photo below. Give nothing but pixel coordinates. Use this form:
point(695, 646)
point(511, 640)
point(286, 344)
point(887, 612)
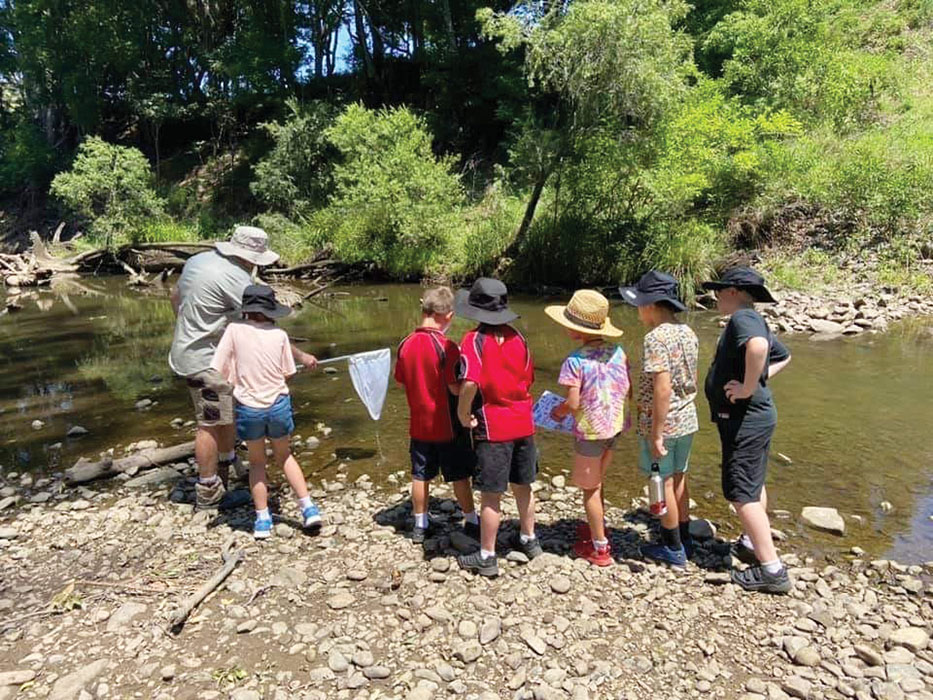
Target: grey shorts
point(593, 448)
point(212, 397)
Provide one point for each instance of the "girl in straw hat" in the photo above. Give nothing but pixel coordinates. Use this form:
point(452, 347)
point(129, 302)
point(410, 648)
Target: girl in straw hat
point(598, 385)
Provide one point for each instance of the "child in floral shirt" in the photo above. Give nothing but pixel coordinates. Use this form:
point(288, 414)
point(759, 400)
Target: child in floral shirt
point(667, 416)
point(598, 384)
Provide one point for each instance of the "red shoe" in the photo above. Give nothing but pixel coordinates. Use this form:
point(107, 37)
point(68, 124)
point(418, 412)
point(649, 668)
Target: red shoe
point(599, 557)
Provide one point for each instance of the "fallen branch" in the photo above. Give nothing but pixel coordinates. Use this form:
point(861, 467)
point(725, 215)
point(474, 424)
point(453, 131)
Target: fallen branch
point(85, 470)
point(230, 560)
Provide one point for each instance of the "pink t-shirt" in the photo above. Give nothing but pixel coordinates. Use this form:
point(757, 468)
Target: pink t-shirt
point(256, 358)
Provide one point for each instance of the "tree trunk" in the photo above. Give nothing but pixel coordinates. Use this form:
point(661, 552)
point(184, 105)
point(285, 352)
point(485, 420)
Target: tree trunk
point(529, 216)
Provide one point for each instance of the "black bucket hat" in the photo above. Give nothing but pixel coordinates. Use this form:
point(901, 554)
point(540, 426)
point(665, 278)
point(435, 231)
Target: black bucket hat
point(746, 279)
point(487, 301)
point(653, 287)
point(260, 299)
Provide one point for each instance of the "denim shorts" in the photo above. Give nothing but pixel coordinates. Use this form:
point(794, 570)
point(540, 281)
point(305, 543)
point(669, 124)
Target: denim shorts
point(273, 422)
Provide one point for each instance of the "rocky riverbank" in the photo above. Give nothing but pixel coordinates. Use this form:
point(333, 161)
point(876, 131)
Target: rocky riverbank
point(90, 577)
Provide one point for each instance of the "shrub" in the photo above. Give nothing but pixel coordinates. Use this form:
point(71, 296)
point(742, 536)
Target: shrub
point(295, 176)
point(110, 188)
point(395, 203)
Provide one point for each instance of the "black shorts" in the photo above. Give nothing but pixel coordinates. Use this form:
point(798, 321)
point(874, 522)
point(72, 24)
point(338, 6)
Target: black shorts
point(499, 464)
point(454, 459)
point(744, 458)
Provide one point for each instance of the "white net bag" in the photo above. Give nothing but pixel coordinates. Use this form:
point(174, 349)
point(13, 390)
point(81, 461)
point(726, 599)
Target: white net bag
point(369, 372)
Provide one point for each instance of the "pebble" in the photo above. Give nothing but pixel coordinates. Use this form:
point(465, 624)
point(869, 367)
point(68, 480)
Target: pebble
point(168, 672)
point(490, 631)
point(246, 626)
point(8, 533)
point(914, 638)
point(340, 601)
point(38, 424)
point(534, 642)
point(560, 584)
point(377, 672)
point(77, 431)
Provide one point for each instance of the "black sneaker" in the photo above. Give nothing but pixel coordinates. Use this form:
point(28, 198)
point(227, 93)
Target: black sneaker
point(475, 563)
point(471, 530)
point(530, 549)
point(758, 580)
point(420, 534)
point(744, 554)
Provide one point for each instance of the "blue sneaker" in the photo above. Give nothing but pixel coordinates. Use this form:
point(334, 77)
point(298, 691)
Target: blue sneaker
point(312, 517)
point(262, 529)
point(665, 555)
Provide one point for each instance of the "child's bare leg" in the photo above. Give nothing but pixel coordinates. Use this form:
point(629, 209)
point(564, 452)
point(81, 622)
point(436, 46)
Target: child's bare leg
point(755, 523)
point(682, 497)
point(604, 466)
point(256, 450)
point(420, 493)
point(463, 492)
point(671, 519)
point(525, 500)
point(282, 452)
point(489, 520)
point(593, 505)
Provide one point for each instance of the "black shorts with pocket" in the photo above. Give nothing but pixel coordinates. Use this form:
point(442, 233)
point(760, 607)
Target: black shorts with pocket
point(454, 459)
point(499, 464)
point(745, 448)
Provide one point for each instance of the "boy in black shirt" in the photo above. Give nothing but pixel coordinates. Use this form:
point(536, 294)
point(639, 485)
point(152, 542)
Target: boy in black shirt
point(743, 409)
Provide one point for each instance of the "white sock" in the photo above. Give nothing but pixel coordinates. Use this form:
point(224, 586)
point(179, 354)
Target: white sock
point(485, 553)
point(208, 480)
point(600, 544)
point(226, 456)
point(772, 567)
point(421, 520)
point(525, 539)
point(747, 541)
point(263, 514)
point(304, 502)
point(471, 518)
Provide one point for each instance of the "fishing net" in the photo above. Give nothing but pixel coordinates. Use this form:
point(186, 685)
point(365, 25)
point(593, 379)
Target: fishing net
point(369, 372)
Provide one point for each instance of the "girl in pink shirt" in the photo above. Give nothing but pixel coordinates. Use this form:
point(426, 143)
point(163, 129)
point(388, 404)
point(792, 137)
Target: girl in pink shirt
point(255, 356)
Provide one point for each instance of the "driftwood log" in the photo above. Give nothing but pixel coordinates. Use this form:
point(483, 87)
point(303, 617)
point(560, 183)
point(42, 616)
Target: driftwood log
point(230, 559)
point(85, 470)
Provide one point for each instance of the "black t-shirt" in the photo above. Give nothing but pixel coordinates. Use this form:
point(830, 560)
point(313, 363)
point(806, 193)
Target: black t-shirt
point(729, 364)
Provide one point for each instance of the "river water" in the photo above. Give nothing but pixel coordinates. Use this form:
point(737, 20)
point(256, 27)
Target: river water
point(856, 415)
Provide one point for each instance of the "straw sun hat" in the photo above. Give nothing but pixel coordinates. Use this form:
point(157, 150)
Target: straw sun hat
point(587, 312)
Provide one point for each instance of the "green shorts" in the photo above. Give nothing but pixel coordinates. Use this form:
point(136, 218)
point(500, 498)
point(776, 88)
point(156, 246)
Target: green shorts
point(676, 461)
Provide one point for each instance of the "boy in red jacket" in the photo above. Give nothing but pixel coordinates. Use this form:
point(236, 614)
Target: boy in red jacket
point(427, 368)
point(496, 404)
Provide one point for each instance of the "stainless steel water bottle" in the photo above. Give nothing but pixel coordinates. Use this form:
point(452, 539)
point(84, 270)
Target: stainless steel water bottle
point(656, 503)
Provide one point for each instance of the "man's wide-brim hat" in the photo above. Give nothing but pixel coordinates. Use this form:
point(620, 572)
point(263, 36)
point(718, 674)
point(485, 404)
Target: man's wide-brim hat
point(248, 243)
point(746, 279)
point(654, 287)
point(587, 312)
point(260, 299)
point(487, 301)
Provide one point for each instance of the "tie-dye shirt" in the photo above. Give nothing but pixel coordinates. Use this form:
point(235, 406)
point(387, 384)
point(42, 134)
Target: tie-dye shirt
point(602, 373)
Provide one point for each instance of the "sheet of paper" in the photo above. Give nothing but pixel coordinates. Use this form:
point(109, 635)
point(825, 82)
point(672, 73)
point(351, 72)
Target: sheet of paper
point(542, 413)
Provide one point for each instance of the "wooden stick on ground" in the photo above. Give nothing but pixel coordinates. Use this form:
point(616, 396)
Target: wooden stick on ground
point(230, 560)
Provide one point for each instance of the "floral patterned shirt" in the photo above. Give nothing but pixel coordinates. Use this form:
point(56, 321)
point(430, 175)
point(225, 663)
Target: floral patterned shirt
point(671, 347)
point(602, 373)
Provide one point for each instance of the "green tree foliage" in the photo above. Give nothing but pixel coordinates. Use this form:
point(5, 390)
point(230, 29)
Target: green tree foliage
point(394, 201)
point(295, 177)
point(110, 188)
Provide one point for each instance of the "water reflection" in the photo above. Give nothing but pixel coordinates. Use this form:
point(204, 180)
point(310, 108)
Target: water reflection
point(853, 414)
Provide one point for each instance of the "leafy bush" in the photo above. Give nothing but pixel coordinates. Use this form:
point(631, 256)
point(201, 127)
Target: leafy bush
point(395, 203)
point(110, 188)
point(296, 176)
